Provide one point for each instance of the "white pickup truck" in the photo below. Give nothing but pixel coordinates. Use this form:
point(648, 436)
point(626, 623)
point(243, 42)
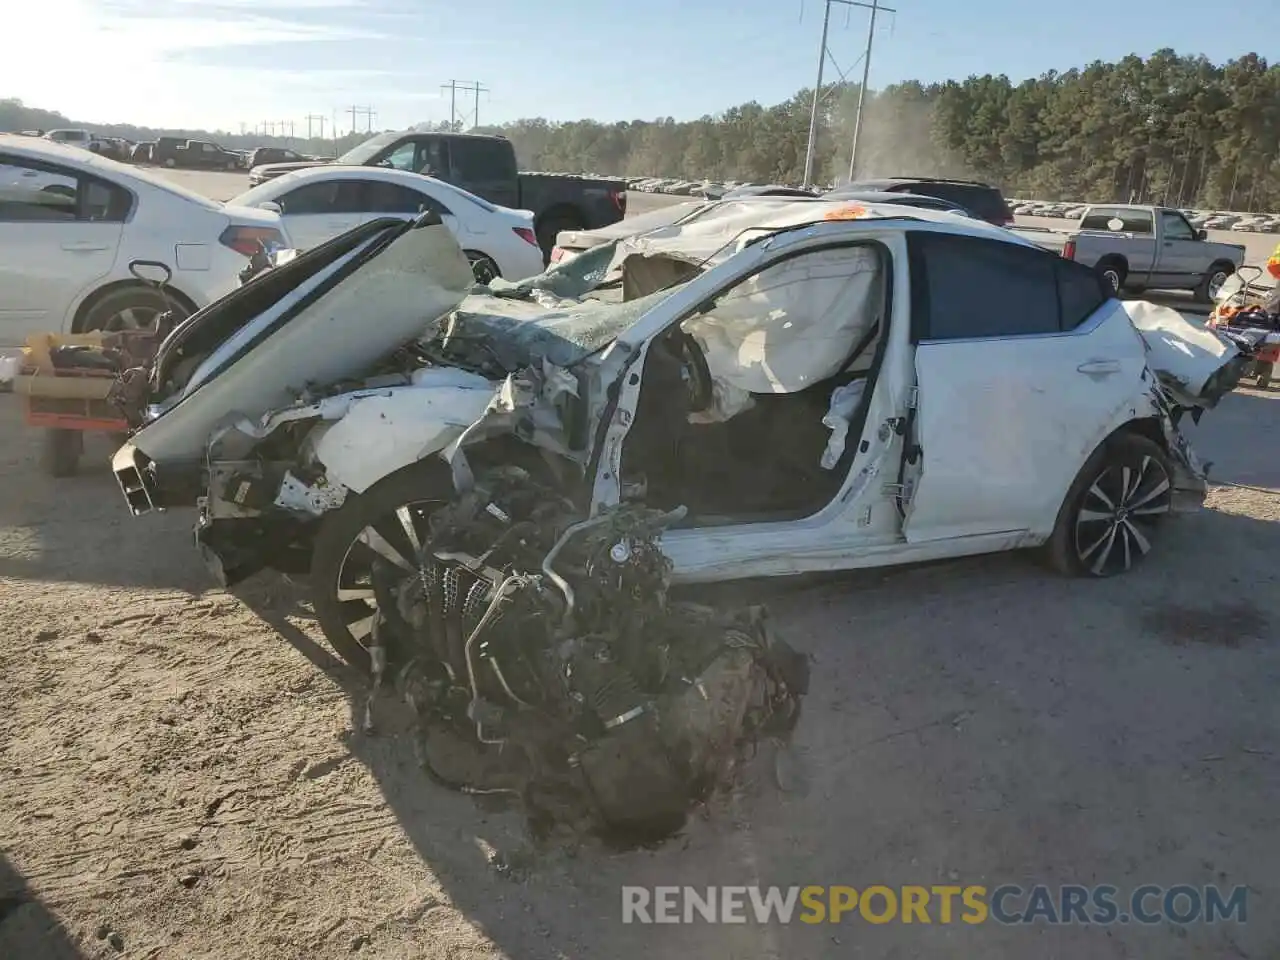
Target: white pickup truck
point(1137, 248)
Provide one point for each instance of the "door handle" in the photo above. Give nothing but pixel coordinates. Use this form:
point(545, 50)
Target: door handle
point(83, 246)
point(1096, 368)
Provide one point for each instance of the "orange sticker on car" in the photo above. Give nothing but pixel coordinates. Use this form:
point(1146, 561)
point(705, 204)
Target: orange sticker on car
point(846, 213)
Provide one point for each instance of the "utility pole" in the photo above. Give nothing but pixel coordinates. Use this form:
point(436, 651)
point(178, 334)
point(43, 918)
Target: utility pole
point(874, 6)
point(313, 117)
point(866, 74)
point(367, 112)
point(453, 86)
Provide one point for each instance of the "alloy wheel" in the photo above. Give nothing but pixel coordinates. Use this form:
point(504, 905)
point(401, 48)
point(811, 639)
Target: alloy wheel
point(1118, 513)
point(376, 562)
point(1215, 284)
point(483, 267)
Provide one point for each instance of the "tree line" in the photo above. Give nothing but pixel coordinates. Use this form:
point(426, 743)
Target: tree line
point(1170, 129)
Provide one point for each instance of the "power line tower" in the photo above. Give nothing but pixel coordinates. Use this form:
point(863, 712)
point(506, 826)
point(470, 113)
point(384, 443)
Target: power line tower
point(367, 112)
point(875, 7)
point(312, 118)
point(472, 86)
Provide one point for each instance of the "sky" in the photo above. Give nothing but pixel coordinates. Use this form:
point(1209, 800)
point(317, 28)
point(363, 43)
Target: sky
point(221, 64)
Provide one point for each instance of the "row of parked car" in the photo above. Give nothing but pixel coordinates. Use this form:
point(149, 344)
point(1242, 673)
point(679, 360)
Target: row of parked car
point(1206, 219)
point(171, 151)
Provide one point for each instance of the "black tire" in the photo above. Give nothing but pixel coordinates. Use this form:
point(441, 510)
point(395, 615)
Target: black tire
point(1103, 528)
point(1265, 372)
point(60, 455)
point(339, 556)
point(126, 308)
point(483, 267)
point(1113, 272)
point(1213, 281)
point(550, 228)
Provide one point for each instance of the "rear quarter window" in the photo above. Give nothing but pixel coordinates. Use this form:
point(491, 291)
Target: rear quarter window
point(1117, 219)
point(968, 287)
point(986, 202)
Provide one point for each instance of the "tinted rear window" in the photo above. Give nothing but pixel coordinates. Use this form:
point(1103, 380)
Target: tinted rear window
point(985, 201)
point(1117, 218)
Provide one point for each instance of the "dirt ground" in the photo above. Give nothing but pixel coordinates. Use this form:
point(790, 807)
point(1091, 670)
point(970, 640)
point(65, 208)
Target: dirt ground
point(180, 775)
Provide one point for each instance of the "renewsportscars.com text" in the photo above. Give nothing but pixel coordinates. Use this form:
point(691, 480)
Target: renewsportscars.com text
point(971, 904)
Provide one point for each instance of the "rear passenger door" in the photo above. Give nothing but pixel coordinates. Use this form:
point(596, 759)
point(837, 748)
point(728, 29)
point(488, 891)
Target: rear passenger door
point(383, 198)
point(1023, 363)
point(59, 238)
point(321, 210)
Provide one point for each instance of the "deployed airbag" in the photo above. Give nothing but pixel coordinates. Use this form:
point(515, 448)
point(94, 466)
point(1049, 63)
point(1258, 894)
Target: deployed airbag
point(794, 324)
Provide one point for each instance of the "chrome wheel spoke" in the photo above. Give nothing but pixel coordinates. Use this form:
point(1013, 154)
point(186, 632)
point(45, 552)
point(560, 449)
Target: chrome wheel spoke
point(363, 627)
point(1093, 516)
point(376, 542)
point(1150, 495)
point(1107, 543)
point(1139, 539)
point(1096, 491)
point(405, 516)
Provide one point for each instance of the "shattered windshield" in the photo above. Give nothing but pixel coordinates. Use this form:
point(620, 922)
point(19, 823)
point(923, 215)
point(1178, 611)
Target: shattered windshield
point(518, 333)
point(562, 315)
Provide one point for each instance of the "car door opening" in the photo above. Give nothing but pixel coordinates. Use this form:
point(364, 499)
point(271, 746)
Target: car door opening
point(752, 408)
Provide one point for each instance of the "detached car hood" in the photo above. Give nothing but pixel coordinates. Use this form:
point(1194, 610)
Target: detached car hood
point(1194, 364)
point(324, 317)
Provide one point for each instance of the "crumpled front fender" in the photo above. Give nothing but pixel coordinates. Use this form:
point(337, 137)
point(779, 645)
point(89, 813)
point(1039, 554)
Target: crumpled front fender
point(379, 432)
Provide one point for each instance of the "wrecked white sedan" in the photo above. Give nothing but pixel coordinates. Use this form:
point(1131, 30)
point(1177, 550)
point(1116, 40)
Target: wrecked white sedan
point(794, 386)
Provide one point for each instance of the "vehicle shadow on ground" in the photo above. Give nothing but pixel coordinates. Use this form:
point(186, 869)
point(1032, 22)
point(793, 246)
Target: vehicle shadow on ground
point(28, 929)
point(965, 717)
point(78, 528)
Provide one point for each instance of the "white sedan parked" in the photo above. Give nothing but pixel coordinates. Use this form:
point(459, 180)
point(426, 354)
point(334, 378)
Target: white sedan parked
point(72, 221)
point(320, 203)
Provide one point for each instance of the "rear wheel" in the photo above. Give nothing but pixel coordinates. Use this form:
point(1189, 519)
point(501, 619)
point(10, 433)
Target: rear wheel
point(127, 308)
point(366, 548)
point(484, 267)
point(1107, 522)
point(1113, 272)
point(1265, 372)
point(1212, 283)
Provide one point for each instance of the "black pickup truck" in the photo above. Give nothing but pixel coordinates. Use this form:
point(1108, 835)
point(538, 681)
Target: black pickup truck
point(486, 166)
point(194, 155)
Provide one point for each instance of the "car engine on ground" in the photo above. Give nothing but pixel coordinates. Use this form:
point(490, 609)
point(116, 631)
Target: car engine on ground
point(543, 660)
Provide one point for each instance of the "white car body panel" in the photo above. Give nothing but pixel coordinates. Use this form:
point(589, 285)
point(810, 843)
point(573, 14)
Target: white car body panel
point(380, 433)
point(420, 275)
point(49, 269)
point(1049, 401)
point(1042, 403)
point(478, 225)
point(1188, 353)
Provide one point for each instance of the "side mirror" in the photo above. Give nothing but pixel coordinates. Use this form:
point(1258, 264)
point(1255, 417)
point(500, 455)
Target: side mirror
point(1202, 234)
point(271, 206)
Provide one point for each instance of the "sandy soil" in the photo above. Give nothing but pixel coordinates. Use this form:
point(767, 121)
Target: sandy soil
point(180, 775)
